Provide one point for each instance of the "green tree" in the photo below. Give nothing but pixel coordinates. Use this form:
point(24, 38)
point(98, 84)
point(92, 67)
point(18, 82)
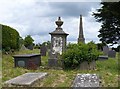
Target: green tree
point(109, 15)
point(28, 40)
point(47, 44)
point(10, 38)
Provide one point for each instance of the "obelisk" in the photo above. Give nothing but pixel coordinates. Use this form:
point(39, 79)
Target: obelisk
point(81, 35)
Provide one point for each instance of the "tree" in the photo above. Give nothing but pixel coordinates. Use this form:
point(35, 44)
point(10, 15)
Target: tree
point(109, 15)
point(28, 41)
point(10, 38)
point(47, 43)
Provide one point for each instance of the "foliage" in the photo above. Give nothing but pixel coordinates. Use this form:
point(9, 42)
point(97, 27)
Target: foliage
point(100, 46)
point(107, 70)
point(109, 15)
point(47, 44)
point(10, 38)
point(37, 46)
point(21, 41)
point(77, 53)
point(28, 41)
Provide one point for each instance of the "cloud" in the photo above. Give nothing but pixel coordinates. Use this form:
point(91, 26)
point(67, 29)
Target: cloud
point(70, 9)
point(36, 18)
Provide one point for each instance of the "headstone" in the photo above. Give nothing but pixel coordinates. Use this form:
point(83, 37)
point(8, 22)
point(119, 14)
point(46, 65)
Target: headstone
point(112, 53)
point(92, 65)
point(86, 80)
point(43, 50)
point(30, 47)
point(25, 80)
point(84, 66)
point(23, 48)
point(105, 50)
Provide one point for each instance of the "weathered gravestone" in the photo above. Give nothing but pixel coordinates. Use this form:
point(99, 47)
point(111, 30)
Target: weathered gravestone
point(86, 80)
point(112, 53)
point(43, 50)
point(58, 43)
point(26, 80)
point(30, 47)
point(105, 50)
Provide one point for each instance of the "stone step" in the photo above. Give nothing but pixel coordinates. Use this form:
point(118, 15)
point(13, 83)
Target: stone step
point(86, 80)
point(25, 80)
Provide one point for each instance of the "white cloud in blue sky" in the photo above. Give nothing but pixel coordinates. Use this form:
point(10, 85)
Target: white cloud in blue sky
point(36, 18)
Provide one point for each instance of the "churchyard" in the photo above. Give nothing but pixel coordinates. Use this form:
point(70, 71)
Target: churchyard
point(61, 65)
point(107, 71)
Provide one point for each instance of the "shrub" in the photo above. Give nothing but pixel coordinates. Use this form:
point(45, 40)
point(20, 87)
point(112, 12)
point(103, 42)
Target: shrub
point(77, 53)
point(10, 38)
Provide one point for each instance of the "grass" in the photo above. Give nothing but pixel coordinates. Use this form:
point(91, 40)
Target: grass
point(107, 70)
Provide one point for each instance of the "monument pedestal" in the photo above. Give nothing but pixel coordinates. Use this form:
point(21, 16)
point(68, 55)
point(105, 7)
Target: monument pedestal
point(52, 62)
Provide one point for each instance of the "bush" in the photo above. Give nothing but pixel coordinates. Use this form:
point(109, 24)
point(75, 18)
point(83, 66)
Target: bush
point(77, 53)
point(28, 41)
point(10, 38)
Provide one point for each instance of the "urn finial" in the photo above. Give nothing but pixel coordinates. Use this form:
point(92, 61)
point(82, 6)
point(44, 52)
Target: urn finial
point(59, 23)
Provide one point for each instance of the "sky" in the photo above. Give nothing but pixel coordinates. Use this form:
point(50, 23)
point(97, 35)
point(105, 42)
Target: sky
point(37, 18)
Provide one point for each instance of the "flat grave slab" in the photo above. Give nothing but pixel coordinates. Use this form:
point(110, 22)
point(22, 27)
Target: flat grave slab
point(102, 57)
point(86, 80)
point(27, 79)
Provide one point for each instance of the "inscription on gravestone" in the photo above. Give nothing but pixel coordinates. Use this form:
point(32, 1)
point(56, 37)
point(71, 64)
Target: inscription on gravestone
point(86, 80)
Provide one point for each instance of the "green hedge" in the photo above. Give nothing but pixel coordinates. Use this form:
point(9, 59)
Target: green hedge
point(10, 38)
point(77, 53)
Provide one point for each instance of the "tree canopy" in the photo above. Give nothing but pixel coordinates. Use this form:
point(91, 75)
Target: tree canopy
point(10, 38)
point(109, 15)
point(28, 41)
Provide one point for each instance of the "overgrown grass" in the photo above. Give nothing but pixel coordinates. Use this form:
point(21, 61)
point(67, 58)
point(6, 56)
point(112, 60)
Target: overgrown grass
point(107, 70)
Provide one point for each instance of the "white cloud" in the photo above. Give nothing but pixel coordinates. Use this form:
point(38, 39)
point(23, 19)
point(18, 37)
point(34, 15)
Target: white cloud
point(37, 18)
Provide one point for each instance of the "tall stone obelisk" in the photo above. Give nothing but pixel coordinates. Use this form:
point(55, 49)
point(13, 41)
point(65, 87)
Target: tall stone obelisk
point(81, 35)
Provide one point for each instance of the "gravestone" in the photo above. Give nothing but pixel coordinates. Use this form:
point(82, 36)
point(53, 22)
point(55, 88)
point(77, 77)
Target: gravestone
point(101, 57)
point(30, 47)
point(26, 80)
point(86, 80)
point(105, 50)
point(58, 43)
point(84, 66)
point(43, 50)
point(23, 48)
point(112, 53)
point(92, 65)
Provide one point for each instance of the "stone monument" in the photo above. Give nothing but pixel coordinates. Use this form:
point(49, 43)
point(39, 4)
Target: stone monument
point(43, 50)
point(58, 43)
point(81, 36)
point(112, 54)
point(105, 50)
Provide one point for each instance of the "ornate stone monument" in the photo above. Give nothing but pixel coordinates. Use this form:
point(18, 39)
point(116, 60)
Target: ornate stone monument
point(81, 36)
point(58, 43)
